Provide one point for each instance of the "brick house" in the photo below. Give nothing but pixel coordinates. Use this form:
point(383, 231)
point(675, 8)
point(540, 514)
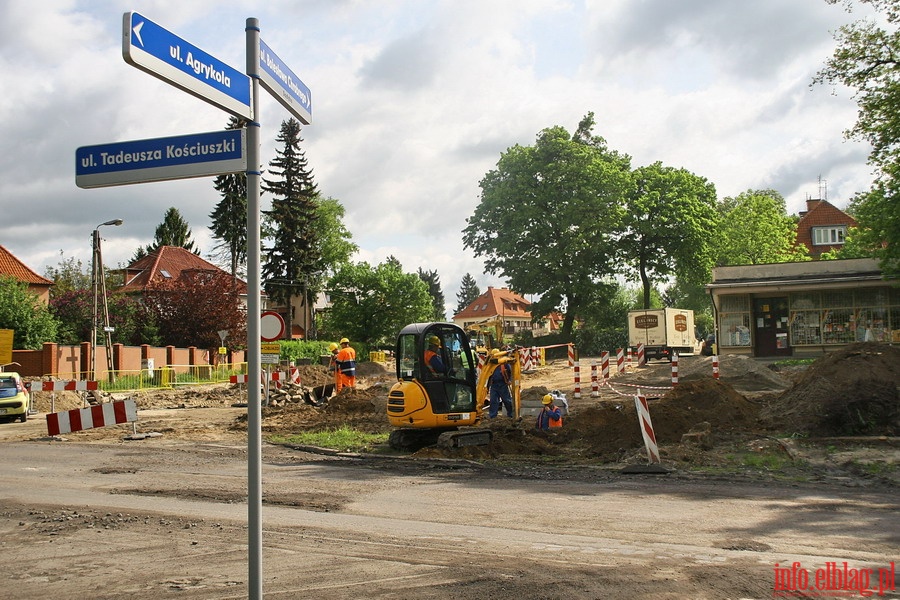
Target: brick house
point(13, 267)
point(823, 227)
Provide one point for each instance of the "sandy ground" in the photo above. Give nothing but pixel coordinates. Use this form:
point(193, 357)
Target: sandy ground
point(798, 465)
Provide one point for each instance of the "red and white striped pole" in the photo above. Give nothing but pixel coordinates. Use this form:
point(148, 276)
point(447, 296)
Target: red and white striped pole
point(577, 393)
point(595, 390)
point(571, 348)
point(630, 358)
point(620, 360)
point(640, 355)
point(640, 403)
point(604, 365)
point(715, 366)
point(675, 369)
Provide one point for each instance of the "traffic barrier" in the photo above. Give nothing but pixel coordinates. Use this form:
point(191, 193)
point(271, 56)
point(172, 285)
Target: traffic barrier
point(68, 386)
point(640, 403)
point(535, 357)
point(620, 360)
point(577, 392)
point(674, 369)
point(604, 365)
point(99, 415)
point(571, 348)
point(715, 361)
point(595, 389)
point(525, 359)
point(630, 358)
point(641, 360)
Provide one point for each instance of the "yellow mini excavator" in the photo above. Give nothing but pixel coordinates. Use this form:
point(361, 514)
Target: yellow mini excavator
point(439, 397)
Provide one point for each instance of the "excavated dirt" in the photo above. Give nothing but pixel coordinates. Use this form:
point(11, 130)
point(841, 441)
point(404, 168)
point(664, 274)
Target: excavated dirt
point(700, 421)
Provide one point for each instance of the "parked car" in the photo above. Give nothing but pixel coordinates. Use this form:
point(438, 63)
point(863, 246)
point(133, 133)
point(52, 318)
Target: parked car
point(13, 397)
point(709, 345)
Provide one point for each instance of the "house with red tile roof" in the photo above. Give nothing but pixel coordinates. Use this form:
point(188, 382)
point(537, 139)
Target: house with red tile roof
point(15, 268)
point(169, 263)
point(510, 307)
point(823, 227)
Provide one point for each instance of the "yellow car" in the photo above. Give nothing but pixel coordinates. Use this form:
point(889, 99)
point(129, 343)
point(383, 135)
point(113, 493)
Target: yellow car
point(13, 397)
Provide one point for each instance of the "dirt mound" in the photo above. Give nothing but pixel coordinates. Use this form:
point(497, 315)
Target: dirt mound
point(851, 391)
point(742, 372)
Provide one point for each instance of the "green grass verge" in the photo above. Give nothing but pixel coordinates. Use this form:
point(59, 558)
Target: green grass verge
point(343, 439)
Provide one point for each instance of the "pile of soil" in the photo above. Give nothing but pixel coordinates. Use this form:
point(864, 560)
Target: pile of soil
point(852, 391)
point(742, 372)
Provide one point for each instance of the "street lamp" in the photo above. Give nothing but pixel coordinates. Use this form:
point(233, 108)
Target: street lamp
point(98, 280)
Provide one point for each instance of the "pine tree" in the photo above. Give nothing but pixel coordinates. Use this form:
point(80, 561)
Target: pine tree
point(295, 250)
point(468, 291)
point(173, 231)
point(229, 218)
point(433, 281)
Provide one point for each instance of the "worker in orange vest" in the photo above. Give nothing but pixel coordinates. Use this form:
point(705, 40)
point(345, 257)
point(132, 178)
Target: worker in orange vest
point(345, 366)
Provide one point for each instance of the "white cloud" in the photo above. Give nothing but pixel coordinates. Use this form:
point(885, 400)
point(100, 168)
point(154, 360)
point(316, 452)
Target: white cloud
point(414, 102)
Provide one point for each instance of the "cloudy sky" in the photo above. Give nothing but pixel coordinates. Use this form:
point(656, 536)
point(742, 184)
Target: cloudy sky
point(414, 101)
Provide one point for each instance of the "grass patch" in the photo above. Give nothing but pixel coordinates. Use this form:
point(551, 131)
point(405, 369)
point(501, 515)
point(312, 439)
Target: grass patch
point(343, 439)
point(795, 362)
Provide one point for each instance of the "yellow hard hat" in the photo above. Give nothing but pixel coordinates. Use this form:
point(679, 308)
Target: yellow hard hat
point(345, 341)
point(434, 341)
point(547, 399)
point(332, 346)
point(495, 351)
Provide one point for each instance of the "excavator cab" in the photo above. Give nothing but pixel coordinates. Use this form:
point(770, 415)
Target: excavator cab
point(435, 390)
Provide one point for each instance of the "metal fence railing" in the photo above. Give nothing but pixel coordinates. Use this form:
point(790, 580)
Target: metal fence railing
point(165, 377)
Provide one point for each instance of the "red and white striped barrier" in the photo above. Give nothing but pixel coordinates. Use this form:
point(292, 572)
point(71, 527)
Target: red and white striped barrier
point(674, 370)
point(295, 375)
point(525, 358)
point(99, 415)
point(620, 360)
point(641, 361)
point(571, 348)
point(595, 388)
point(577, 392)
point(630, 358)
point(68, 386)
point(715, 361)
point(640, 403)
point(604, 365)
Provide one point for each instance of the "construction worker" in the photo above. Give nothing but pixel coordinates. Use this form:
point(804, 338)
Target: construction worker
point(345, 362)
point(498, 384)
point(332, 366)
point(550, 416)
point(433, 360)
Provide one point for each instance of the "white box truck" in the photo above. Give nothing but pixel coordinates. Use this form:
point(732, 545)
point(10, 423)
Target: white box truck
point(662, 331)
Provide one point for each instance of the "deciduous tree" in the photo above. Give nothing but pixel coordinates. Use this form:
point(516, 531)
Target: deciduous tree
point(547, 217)
point(754, 229)
point(372, 304)
point(867, 60)
point(670, 218)
point(22, 311)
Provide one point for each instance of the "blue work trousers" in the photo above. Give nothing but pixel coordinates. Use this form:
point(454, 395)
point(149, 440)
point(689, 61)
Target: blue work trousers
point(500, 393)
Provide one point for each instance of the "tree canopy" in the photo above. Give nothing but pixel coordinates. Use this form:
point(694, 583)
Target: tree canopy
point(229, 217)
point(547, 217)
point(669, 222)
point(294, 252)
point(755, 229)
point(433, 281)
point(22, 311)
point(173, 231)
point(372, 304)
point(468, 292)
point(867, 60)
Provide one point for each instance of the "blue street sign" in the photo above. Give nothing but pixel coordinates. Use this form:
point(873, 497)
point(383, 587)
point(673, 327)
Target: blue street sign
point(163, 54)
point(161, 159)
point(284, 85)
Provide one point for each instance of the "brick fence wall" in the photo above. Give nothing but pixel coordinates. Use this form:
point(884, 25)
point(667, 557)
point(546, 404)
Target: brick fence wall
point(74, 362)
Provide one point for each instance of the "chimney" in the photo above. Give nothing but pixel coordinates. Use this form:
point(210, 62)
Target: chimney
point(811, 203)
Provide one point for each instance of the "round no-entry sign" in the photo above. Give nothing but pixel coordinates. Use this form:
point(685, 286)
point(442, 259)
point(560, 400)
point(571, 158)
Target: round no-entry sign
point(271, 326)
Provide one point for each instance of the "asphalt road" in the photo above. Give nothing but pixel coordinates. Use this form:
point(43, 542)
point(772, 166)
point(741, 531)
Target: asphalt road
point(151, 518)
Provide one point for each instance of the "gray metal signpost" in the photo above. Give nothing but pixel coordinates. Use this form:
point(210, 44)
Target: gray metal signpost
point(164, 55)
